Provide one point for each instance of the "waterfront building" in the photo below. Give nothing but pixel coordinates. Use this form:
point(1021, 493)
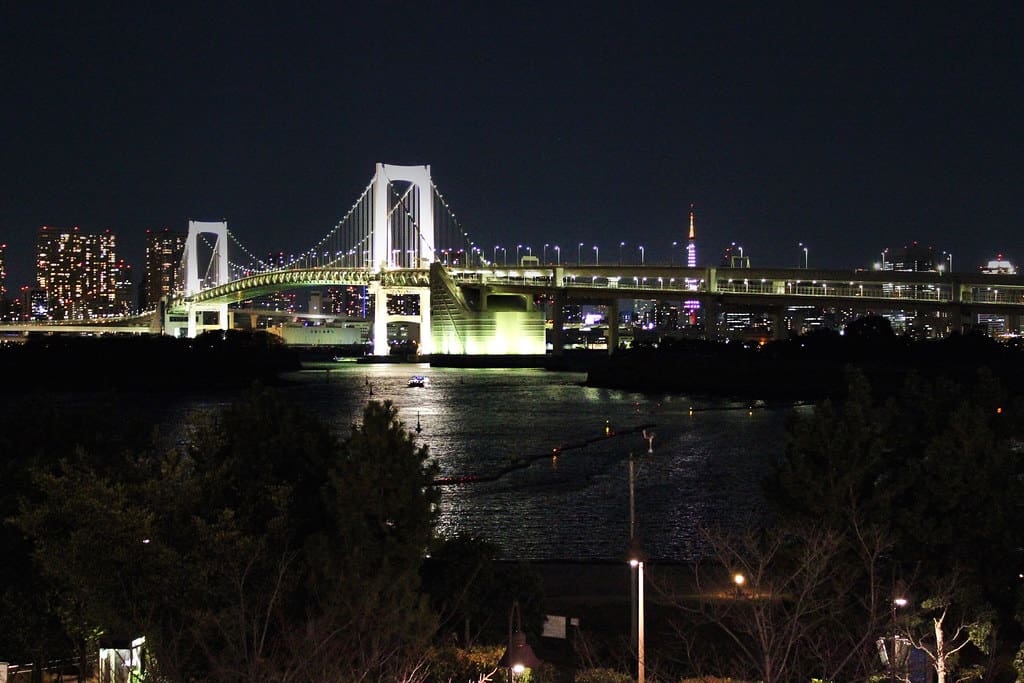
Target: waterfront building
point(79, 272)
point(164, 249)
point(999, 266)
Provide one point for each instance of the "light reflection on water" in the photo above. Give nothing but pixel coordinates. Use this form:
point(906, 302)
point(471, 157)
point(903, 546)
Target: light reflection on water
point(705, 470)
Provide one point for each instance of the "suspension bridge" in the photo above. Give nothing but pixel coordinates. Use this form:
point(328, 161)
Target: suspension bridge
point(401, 237)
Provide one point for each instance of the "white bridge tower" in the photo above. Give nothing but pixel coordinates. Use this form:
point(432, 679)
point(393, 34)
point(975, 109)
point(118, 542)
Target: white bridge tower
point(382, 240)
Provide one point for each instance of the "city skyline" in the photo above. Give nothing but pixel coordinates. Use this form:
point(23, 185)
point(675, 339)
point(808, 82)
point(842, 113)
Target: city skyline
point(845, 130)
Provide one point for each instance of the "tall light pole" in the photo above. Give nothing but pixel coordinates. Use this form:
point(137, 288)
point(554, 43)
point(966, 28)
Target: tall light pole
point(545, 259)
point(636, 560)
point(674, 245)
point(558, 255)
point(804, 247)
point(621, 245)
point(496, 248)
point(579, 254)
point(518, 247)
point(949, 258)
point(597, 256)
point(641, 248)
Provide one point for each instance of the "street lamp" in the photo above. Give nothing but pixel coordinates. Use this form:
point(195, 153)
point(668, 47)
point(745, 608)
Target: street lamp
point(518, 247)
point(674, 245)
point(558, 255)
point(621, 245)
point(597, 256)
point(545, 254)
point(579, 254)
point(641, 248)
point(802, 246)
point(519, 655)
point(898, 601)
point(495, 259)
point(636, 560)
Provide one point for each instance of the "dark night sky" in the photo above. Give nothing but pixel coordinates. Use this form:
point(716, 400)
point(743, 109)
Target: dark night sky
point(850, 130)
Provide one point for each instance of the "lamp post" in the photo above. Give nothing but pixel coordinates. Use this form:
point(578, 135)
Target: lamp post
point(641, 248)
point(518, 248)
point(558, 255)
point(579, 254)
point(802, 246)
point(621, 245)
point(636, 560)
point(494, 261)
point(545, 254)
point(597, 256)
point(519, 655)
point(674, 245)
point(898, 601)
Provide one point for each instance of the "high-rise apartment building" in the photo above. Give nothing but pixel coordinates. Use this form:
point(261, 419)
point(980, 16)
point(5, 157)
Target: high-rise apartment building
point(163, 260)
point(79, 272)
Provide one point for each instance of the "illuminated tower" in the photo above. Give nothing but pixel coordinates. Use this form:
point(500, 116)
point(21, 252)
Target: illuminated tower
point(3, 271)
point(691, 244)
point(691, 306)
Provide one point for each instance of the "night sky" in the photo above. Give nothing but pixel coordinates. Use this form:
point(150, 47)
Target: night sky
point(847, 129)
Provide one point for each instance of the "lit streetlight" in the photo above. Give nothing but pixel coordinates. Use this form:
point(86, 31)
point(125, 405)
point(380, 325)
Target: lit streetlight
point(898, 601)
point(518, 655)
point(621, 245)
point(579, 254)
point(641, 249)
point(545, 254)
point(518, 248)
point(558, 255)
point(495, 259)
point(674, 245)
point(636, 560)
point(597, 256)
point(804, 247)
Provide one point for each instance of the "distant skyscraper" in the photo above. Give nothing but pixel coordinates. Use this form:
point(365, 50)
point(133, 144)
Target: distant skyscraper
point(163, 259)
point(79, 272)
point(3, 271)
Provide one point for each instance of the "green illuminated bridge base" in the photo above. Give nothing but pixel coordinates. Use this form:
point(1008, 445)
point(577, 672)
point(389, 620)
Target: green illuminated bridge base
point(493, 310)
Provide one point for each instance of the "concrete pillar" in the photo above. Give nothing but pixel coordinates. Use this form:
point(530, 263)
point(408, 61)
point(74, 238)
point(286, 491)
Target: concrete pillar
point(380, 319)
point(712, 308)
point(558, 323)
point(426, 333)
point(778, 316)
point(613, 326)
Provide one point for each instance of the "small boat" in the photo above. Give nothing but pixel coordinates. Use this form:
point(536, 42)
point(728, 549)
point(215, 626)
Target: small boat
point(418, 381)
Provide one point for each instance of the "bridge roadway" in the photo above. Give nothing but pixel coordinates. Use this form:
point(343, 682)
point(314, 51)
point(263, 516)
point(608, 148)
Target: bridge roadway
point(744, 286)
point(772, 287)
point(968, 293)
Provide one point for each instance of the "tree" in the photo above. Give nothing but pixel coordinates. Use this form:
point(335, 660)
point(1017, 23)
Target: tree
point(949, 621)
point(800, 612)
point(265, 549)
point(935, 467)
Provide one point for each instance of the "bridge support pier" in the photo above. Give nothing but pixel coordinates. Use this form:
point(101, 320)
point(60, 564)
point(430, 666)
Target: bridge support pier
point(613, 326)
point(558, 323)
point(426, 334)
point(195, 313)
point(380, 319)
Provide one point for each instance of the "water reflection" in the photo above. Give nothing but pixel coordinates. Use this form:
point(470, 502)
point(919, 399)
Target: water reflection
point(705, 470)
